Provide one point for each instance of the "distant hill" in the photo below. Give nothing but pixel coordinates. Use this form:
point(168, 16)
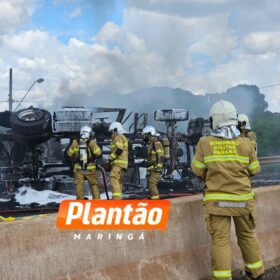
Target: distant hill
point(246, 98)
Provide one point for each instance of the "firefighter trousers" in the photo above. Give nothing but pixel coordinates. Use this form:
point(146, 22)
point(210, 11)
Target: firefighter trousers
point(80, 176)
point(152, 183)
point(116, 181)
point(219, 229)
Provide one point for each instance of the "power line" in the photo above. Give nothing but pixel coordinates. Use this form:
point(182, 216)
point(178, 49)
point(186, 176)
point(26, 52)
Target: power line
point(275, 85)
point(5, 101)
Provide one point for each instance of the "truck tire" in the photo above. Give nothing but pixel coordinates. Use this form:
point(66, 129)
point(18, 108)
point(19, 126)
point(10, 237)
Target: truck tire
point(31, 121)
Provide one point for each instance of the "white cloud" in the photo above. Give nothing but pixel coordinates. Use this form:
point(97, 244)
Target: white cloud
point(273, 95)
point(262, 42)
point(14, 13)
point(218, 41)
point(76, 13)
point(151, 48)
point(25, 41)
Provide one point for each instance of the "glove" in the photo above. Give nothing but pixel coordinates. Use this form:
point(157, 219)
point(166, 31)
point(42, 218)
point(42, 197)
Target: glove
point(100, 161)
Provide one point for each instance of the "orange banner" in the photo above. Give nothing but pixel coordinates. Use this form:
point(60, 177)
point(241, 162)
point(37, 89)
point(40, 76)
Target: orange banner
point(113, 214)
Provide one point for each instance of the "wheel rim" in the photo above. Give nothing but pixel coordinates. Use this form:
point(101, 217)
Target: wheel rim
point(30, 115)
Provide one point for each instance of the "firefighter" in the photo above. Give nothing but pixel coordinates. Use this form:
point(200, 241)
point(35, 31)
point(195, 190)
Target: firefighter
point(83, 153)
point(245, 129)
point(155, 159)
point(118, 160)
point(226, 161)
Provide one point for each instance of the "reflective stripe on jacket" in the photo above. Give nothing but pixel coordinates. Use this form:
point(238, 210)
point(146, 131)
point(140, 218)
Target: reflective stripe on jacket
point(155, 155)
point(226, 167)
point(121, 160)
point(93, 151)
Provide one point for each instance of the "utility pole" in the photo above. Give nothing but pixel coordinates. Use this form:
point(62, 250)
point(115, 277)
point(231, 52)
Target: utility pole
point(11, 90)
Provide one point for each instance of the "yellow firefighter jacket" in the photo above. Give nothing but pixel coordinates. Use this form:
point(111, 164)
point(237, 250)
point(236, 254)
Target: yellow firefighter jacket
point(92, 151)
point(251, 135)
point(155, 155)
point(119, 151)
point(226, 167)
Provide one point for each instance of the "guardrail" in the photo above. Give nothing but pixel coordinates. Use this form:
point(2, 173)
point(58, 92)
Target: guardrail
point(267, 160)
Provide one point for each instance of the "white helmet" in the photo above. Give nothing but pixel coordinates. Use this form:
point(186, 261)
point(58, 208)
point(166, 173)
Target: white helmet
point(117, 128)
point(223, 113)
point(150, 129)
point(85, 132)
point(244, 121)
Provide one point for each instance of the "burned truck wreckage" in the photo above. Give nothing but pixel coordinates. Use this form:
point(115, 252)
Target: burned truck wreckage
point(33, 142)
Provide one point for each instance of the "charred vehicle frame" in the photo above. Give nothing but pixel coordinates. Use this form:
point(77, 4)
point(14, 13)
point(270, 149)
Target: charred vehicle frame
point(32, 143)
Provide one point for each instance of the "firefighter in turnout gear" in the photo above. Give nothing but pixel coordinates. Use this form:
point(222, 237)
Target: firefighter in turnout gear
point(226, 161)
point(83, 153)
point(245, 129)
point(118, 160)
point(155, 159)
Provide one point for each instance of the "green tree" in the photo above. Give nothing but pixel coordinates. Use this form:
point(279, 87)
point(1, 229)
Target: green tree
point(267, 128)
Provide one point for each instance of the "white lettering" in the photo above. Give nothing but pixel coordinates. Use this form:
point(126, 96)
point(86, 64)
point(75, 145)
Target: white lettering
point(77, 236)
point(130, 236)
point(71, 215)
point(155, 211)
point(142, 236)
point(119, 236)
point(86, 220)
point(99, 218)
point(127, 210)
point(99, 236)
point(140, 219)
point(111, 215)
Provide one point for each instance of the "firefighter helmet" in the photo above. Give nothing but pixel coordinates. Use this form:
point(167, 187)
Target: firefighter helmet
point(223, 113)
point(244, 121)
point(85, 132)
point(116, 127)
point(150, 130)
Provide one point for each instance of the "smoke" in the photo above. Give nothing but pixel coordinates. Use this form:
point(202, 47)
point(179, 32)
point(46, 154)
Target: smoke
point(102, 10)
point(246, 98)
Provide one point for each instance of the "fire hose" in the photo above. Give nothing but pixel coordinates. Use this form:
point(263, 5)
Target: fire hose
point(104, 181)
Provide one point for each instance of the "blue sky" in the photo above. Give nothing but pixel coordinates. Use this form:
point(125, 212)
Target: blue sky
point(120, 46)
point(80, 19)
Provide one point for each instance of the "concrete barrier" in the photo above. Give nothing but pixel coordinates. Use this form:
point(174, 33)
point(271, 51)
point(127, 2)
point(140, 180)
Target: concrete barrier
point(35, 249)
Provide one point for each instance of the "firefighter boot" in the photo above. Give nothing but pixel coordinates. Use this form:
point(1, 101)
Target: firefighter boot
point(249, 274)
